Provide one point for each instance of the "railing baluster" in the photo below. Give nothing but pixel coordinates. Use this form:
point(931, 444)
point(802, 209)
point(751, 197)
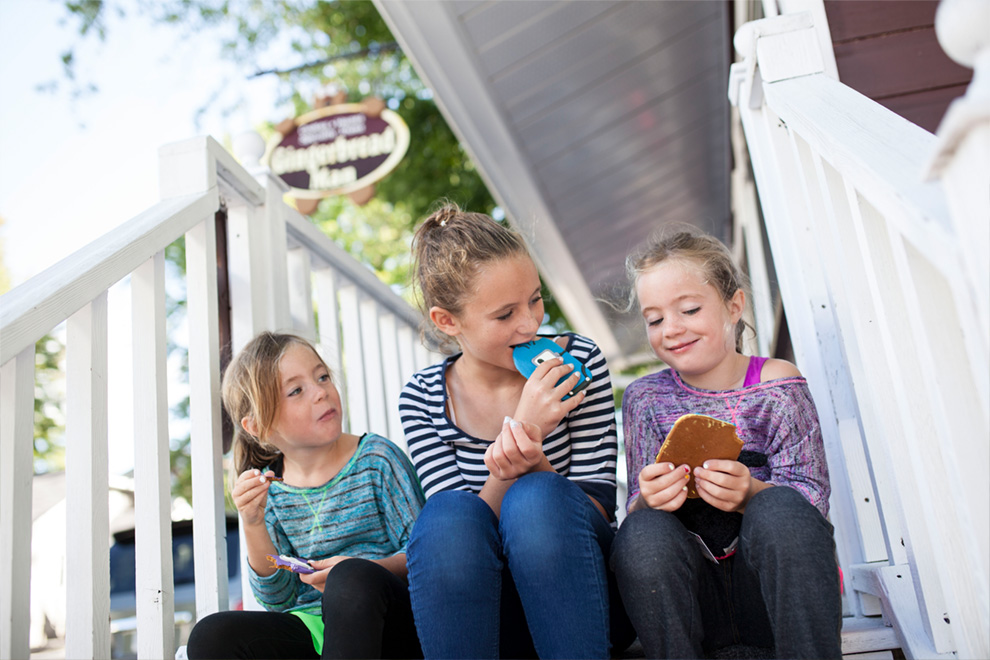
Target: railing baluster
point(330, 337)
point(371, 347)
point(301, 293)
point(249, 274)
point(152, 501)
point(391, 372)
point(87, 634)
point(209, 523)
point(353, 353)
point(273, 228)
point(16, 470)
point(826, 211)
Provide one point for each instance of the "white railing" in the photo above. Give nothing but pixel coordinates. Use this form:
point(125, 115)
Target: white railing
point(884, 276)
point(281, 269)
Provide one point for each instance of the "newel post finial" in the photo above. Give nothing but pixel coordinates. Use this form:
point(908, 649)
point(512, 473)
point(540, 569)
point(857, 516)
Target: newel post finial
point(961, 159)
point(963, 31)
point(248, 147)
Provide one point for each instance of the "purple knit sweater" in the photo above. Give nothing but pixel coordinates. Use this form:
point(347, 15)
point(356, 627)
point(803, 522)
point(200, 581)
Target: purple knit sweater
point(776, 420)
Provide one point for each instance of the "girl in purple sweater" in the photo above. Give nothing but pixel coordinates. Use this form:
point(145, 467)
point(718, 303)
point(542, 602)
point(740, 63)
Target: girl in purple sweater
point(752, 560)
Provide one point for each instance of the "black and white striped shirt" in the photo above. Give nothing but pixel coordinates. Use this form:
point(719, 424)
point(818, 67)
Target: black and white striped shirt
point(583, 446)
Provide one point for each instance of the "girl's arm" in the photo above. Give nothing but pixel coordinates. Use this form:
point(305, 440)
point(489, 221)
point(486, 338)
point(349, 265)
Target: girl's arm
point(795, 449)
point(400, 498)
point(516, 451)
point(396, 564)
point(591, 431)
point(250, 494)
point(435, 460)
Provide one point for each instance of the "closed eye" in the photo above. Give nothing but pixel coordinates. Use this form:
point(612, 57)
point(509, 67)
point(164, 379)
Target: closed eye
point(692, 312)
point(536, 300)
point(294, 391)
point(655, 322)
point(504, 317)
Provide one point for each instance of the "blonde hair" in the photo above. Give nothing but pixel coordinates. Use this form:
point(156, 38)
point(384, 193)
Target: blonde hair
point(709, 254)
point(251, 388)
point(449, 248)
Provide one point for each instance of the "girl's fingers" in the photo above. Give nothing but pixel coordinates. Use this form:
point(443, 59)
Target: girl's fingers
point(528, 450)
point(543, 368)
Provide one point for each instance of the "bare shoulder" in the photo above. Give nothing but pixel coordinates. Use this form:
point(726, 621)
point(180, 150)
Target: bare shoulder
point(774, 369)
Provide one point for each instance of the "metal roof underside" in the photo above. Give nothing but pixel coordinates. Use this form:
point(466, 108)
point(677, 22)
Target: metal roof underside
point(593, 124)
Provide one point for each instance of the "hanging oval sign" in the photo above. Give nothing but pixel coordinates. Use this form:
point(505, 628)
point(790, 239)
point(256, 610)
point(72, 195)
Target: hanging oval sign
point(337, 150)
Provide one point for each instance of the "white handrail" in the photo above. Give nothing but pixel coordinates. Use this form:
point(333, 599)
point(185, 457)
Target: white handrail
point(888, 319)
point(269, 290)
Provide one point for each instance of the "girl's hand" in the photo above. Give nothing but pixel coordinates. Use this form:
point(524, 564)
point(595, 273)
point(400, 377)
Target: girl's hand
point(663, 486)
point(516, 451)
point(541, 403)
point(250, 495)
point(318, 579)
point(726, 485)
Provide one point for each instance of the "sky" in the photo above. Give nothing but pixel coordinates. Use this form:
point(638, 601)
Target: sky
point(73, 170)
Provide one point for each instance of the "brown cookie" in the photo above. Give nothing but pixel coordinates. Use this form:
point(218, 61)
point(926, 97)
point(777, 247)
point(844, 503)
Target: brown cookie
point(696, 438)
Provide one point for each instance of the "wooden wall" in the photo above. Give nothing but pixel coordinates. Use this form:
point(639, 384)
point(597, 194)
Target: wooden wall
point(887, 50)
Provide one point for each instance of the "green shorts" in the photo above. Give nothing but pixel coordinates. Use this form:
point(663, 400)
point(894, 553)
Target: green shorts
point(315, 624)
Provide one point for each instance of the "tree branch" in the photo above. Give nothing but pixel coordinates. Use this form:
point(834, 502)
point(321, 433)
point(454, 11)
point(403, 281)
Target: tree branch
point(364, 52)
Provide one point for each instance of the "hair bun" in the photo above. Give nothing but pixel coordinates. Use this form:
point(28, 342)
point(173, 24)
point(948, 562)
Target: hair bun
point(445, 214)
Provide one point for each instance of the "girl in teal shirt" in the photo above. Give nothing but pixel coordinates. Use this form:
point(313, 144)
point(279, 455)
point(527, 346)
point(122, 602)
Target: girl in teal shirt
point(307, 489)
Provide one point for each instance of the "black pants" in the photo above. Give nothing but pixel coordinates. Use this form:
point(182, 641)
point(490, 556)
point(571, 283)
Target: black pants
point(779, 591)
point(366, 614)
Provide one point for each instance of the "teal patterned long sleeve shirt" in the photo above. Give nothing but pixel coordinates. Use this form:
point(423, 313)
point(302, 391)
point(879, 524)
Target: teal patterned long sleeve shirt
point(367, 510)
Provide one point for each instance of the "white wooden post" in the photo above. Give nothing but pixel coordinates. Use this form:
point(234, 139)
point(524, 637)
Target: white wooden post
point(424, 357)
point(406, 339)
point(276, 250)
point(301, 293)
point(16, 468)
point(961, 159)
point(152, 500)
point(205, 433)
point(185, 168)
point(248, 273)
point(330, 338)
point(350, 322)
point(87, 632)
point(745, 207)
point(391, 372)
point(372, 366)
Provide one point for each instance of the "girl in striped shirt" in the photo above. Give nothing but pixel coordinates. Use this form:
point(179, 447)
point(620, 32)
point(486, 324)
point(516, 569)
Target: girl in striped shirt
point(308, 490)
point(509, 555)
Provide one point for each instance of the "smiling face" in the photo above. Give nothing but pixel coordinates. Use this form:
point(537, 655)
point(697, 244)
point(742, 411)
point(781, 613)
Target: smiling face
point(505, 308)
point(308, 413)
point(689, 325)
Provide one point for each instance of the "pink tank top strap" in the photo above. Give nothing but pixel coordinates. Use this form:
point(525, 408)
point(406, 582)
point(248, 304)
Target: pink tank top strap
point(753, 371)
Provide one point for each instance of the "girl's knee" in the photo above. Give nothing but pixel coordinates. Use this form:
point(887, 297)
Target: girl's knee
point(452, 512)
point(456, 529)
point(204, 639)
point(545, 513)
point(650, 540)
point(782, 517)
point(354, 582)
point(539, 496)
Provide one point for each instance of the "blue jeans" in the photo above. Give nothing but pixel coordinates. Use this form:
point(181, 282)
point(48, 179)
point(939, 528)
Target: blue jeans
point(779, 591)
point(535, 581)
